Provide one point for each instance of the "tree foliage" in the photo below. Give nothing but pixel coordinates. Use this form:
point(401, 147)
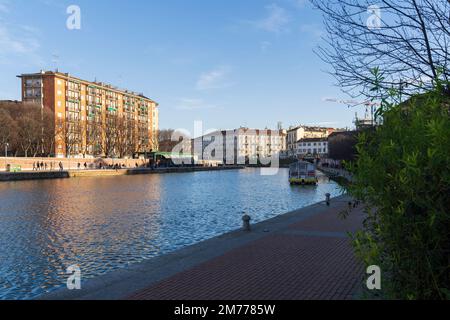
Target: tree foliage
point(402, 174)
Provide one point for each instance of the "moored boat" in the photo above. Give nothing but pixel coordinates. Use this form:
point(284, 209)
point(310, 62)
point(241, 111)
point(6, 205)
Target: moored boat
point(302, 173)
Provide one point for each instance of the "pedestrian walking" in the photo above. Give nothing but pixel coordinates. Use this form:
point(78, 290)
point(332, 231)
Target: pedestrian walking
point(61, 167)
point(34, 166)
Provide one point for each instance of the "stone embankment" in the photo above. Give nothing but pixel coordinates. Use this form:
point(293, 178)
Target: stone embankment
point(38, 175)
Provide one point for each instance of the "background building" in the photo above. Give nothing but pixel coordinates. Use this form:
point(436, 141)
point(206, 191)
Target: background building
point(312, 147)
point(241, 145)
point(294, 134)
point(92, 118)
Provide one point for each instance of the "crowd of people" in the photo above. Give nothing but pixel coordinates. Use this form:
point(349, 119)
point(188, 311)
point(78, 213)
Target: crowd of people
point(39, 166)
point(47, 166)
point(51, 166)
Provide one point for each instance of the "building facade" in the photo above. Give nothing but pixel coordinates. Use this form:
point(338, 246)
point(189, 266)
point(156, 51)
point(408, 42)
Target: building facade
point(294, 134)
point(92, 118)
point(240, 146)
point(312, 148)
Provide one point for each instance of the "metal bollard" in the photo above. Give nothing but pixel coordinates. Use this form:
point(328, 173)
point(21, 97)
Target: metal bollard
point(328, 196)
point(246, 222)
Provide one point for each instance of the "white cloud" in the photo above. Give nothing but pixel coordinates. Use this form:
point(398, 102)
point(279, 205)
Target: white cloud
point(276, 21)
point(214, 79)
point(189, 104)
point(21, 44)
point(18, 41)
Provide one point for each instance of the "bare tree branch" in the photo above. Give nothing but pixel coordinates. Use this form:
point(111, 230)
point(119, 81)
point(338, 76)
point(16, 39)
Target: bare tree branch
point(410, 46)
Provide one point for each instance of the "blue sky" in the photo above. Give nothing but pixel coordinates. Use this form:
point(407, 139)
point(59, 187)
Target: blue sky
point(225, 62)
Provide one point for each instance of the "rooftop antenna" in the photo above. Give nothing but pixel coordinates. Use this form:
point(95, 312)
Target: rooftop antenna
point(55, 60)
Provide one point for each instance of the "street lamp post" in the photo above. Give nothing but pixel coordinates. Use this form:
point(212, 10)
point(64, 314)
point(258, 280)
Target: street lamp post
point(6, 155)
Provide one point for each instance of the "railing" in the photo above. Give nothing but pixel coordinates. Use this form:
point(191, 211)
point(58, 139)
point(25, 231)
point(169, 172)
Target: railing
point(335, 172)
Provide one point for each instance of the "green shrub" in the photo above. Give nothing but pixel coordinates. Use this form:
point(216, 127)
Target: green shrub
point(402, 174)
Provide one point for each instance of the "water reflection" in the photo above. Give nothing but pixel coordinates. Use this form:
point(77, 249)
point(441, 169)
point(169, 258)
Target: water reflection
point(104, 224)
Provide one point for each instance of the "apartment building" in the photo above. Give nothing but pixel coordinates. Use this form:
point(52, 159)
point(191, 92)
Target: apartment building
point(93, 118)
point(294, 134)
point(241, 145)
point(312, 147)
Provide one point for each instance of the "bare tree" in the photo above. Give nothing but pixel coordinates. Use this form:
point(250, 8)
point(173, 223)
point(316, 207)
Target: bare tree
point(8, 131)
point(69, 131)
point(47, 143)
point(29, 135)
point(406, 40)
point(165, 135)
point(169, 138)
point(109, 145)
point(93, 138)
point(125, 137)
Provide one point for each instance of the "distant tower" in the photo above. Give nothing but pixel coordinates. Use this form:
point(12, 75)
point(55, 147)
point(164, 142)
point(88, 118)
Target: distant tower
point(280, 126)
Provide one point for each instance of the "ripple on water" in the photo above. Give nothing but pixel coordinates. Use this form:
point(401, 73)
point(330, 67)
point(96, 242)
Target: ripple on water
point(104, 224)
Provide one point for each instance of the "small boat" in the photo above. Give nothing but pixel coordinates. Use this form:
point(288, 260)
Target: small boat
point(303, 173)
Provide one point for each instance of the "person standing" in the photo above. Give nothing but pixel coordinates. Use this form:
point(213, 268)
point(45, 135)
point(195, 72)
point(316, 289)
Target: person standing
point(61, 168)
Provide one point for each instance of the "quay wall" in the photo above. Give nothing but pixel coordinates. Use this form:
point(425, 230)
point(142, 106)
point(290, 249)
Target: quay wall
point(37, 175)
point(42, 175)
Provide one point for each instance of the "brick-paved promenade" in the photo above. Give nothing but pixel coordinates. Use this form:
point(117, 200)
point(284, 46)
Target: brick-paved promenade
point(304, 254)
point(310, 259)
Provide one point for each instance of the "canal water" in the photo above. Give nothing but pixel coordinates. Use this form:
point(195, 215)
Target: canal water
point(103, 224)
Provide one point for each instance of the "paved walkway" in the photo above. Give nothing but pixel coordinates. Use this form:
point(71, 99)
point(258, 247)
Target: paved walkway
point(304, 254)
point(307, 259)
